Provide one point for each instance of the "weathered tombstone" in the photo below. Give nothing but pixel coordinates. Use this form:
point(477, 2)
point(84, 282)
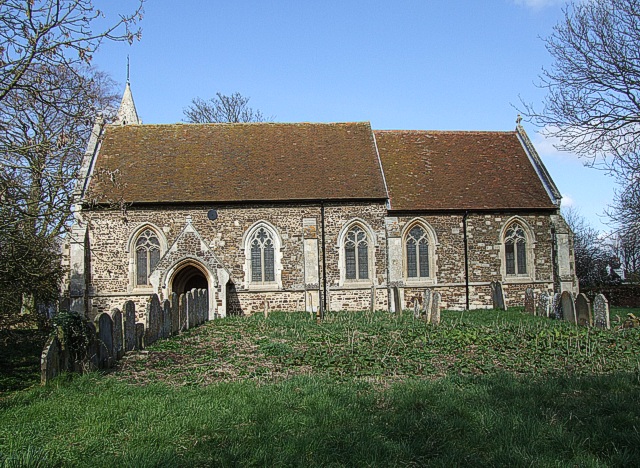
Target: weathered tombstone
point(396, 299)
point(118, 338)
point(583, 311)
point(556, 306)
point(191, 309)
point(129, 313)
point(435, 308)
point(175, 314)
point(140, 335)
point(154, 318)
point(601, 312)
point(529, 301)
point(50, 360)
point(497, 296)
point(204, 309)
point(184, 315)
point(416, 307)
point(105, 340)
point(544, 304)
point(426, 304)
point(568, 307)
point(166, 319)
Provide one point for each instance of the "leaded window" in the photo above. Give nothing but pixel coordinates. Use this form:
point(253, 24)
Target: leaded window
point(262, 257)
point(356, 250)
point(515, 249)
point(417, 246)
point(147, 256)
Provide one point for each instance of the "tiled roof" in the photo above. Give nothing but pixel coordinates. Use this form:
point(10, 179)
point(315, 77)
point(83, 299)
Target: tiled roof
point(239, 162)
point(433, 170)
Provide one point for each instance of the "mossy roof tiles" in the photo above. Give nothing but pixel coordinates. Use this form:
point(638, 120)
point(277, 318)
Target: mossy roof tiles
point(457, 170)
point(238, 162)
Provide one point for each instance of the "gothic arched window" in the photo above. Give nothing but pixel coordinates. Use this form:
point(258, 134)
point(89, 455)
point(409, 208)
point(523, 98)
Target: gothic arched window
point(515, 250)
point(417, 253)
point(356, 251)
point(147, 249)
point(262, 256)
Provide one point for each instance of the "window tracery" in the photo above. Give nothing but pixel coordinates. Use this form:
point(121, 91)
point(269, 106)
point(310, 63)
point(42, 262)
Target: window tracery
point(147, 250)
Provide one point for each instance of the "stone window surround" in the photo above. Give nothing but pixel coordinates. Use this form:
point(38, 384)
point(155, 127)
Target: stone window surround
point(530, 250)
point(371, 252)
point(277, 260)
point(433, 244)
point(131, 251)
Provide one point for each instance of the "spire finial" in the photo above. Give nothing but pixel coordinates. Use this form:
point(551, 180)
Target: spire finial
point(128, 82)
point(518, 119)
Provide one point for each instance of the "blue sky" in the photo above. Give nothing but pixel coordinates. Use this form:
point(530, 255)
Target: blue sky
point(423, 64)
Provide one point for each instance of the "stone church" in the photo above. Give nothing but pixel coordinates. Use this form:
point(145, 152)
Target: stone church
point(301, 216)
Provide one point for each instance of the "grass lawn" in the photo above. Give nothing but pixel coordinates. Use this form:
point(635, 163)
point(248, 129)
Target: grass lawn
point(372, 389)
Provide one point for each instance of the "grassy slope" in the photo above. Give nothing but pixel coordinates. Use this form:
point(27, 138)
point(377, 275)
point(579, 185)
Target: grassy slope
point(516, 390)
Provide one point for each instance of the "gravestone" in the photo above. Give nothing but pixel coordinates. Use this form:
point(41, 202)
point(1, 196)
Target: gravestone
point(416, 307)
point(166, 319)
point(583, 311)
point(426, 304)
point(175, 314)
point(129, 326)
point(435, 308)
point(50, 360)
point(601, 312)
point(105, 340)
point(568, 307)
point(203, 311)
point(182, 307)
point(191, 312)
point(91, 357)
point(396, 299)
point(118, 340)
point(373, 299)
point(154, 320)
point(556, 306)
point(140, 336)
point(497, 296)
point(529, 301)
point(544, 304)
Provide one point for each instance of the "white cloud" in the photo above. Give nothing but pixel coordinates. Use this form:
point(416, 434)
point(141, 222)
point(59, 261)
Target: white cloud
point(567, 201)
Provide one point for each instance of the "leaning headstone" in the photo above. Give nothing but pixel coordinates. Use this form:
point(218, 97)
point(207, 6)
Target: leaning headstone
point(154, 320)
point(118, 341)
point(50, 360)
point(497, 296)
point(175, 314)
point(544, 304)
point(601, 312)
point(435, 308)
point(129, 310)
point(583, 310)
point(568, 307)
point(92, 347)
point(556, 306)
point(529, 301)
point(105, 340)
point(166, 319)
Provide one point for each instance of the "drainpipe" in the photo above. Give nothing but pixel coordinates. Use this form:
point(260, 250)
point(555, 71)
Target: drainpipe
point(324, 264)
point(466, 257)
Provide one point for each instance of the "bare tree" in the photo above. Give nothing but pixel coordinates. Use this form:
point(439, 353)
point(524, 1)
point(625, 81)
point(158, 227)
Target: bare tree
point(221, 109)
point(592, 106)
point(592, 256)
point(49, 97)
point(39, 34)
